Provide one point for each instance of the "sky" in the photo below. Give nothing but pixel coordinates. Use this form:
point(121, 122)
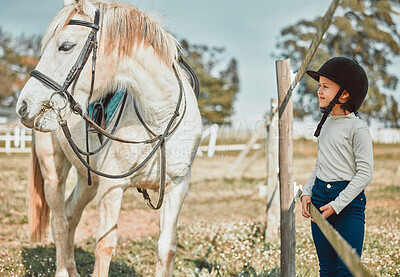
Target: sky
point(248, 30)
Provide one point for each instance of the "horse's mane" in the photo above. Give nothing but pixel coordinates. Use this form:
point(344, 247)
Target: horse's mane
point(122, 28)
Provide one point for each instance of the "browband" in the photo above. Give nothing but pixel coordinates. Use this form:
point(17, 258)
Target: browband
point(94, 25)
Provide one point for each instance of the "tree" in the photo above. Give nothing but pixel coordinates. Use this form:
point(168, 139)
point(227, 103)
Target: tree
point(219, 83)
point(18, 56)
point(362, 30)
point(7, 76)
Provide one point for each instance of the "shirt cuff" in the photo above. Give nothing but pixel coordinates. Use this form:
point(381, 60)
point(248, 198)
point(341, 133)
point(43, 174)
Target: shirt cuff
point(335, 207)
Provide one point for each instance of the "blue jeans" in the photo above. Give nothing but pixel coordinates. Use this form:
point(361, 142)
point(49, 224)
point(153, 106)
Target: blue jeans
point(350, 224)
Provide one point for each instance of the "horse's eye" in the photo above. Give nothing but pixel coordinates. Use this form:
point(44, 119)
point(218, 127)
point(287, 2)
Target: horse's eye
point(66, 46)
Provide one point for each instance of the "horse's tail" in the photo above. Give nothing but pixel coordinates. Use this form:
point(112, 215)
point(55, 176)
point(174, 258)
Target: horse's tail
point(39, 211)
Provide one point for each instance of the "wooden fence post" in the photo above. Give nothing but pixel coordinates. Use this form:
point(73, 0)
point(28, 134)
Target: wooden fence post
point(288, 234)
point(273, 211)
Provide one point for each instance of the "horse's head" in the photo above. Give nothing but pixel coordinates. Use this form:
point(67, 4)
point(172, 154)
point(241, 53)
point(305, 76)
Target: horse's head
point(61, 47)
point(130, 45)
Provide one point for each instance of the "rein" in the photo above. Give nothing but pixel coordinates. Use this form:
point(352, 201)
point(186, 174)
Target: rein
point(72, 78)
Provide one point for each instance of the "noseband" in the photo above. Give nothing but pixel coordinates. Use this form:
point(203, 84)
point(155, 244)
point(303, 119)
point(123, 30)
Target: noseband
point(90, 46)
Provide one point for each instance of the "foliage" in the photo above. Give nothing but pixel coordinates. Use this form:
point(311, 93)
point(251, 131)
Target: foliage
point(363, 30)
point(219, 84)
point(18, 56)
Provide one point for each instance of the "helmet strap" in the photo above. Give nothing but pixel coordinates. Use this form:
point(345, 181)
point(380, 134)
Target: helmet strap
point(326, 111)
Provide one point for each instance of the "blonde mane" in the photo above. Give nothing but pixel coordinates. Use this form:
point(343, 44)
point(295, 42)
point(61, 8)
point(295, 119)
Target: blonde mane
point(122, 27)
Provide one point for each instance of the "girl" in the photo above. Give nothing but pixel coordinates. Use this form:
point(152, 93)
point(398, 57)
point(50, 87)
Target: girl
point(345, 161)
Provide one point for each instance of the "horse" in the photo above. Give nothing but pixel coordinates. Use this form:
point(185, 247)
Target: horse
point(129, 51)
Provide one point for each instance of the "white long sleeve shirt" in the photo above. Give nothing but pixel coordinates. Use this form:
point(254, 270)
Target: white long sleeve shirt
point(344, 154)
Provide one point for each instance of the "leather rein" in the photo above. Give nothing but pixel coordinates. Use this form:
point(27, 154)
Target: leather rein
point(91, 45)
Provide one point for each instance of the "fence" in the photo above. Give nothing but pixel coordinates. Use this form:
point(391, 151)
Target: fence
point(242, 130)
point(387, 135)
point(14, 138)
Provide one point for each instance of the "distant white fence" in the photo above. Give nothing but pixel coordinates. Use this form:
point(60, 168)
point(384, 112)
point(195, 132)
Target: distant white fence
point(230, 138)
point(242, 132)
point(13, 138)
point(212, 133)
point(305, 130)
point(387, 135)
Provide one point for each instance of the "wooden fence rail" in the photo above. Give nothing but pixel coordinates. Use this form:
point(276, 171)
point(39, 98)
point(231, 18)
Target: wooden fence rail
point(348, 255)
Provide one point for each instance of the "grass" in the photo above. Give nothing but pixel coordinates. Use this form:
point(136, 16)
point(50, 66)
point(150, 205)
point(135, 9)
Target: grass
point(221, 227)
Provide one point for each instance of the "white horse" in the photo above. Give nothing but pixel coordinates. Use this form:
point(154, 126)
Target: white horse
point(136, 53)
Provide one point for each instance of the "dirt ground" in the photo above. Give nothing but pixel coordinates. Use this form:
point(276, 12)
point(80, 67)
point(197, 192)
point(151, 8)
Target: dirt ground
point(142, 222)
point(137, 220)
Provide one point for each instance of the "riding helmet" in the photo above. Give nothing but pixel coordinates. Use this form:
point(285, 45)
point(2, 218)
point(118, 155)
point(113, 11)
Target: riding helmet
point(348, 74)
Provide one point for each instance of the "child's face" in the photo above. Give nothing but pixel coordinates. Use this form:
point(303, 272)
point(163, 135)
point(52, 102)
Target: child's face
point(327, 91)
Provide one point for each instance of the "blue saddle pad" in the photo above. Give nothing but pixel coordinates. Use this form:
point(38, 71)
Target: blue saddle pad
point(110, 106)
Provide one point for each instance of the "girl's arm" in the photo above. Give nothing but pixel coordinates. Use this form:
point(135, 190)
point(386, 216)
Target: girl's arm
point(305, 197)
point(363, 158)
point(310, 183)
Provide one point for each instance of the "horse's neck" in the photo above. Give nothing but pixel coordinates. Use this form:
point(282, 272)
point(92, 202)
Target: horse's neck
point(152, 83)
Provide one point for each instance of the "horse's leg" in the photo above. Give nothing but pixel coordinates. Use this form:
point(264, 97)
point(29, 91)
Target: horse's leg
point(168, 222)
point(109, 206)
point(54, 169)
point(76, 202)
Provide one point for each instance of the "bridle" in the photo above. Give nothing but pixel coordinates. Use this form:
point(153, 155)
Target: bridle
point(91, 45)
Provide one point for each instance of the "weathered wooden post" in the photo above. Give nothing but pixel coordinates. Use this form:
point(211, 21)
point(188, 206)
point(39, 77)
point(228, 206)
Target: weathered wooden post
point(288, 234)
point(273, 210)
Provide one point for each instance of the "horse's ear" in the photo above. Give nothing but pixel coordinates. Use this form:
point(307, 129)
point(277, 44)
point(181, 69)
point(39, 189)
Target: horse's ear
point(82, 6)
point(69, 2)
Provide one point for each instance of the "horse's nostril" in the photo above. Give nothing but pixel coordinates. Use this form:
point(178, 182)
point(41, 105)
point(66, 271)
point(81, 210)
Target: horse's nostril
point(23, 110)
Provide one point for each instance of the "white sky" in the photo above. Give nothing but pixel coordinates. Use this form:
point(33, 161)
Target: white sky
point(247, 29)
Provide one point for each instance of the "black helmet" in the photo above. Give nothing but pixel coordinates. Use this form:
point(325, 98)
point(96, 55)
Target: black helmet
point(348, 74)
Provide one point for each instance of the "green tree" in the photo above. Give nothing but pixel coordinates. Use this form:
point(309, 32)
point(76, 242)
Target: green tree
point(361, 30)
point(18, 56)
point(7, 75)
point(219, 81)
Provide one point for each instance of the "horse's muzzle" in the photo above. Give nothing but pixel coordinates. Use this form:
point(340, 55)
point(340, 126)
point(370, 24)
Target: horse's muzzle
point(23, 110)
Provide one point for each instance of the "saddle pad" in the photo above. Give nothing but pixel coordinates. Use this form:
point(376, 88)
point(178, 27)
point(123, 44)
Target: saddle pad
point(110, 103)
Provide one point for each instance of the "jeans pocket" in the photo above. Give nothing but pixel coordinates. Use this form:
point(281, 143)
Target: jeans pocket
point(359, 202)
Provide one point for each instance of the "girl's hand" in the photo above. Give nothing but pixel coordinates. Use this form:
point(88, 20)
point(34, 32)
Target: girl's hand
point(327, 210)
point(305, 201)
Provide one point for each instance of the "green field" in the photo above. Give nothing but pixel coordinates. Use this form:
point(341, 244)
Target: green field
point(220, 228)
